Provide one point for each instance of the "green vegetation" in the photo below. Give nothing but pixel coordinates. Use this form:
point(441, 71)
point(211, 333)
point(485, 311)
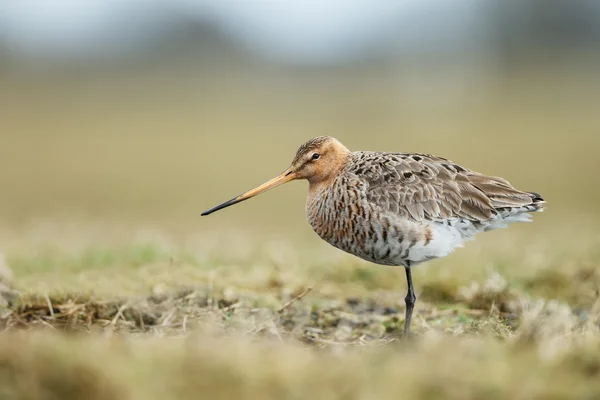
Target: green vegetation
point(147, 322)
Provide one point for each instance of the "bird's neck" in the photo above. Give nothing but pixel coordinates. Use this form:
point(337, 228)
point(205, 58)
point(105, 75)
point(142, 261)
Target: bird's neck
point(330, 171)
point(316, 186)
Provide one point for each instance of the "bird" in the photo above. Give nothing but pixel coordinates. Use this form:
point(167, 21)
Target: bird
point(397, 209)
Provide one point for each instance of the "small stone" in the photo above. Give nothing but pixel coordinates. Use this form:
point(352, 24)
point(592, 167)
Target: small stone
point(6, 295)
point(6, 274)
point(159, 290)
point(229, 295)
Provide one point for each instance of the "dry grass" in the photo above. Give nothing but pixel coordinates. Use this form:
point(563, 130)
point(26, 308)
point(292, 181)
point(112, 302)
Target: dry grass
point(123, 292)
point(198, 366)
point(240, 352)
point(175, 325)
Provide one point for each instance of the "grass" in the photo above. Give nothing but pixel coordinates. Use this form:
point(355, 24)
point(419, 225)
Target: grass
point(192, 367)
point(151, 321)
point(114, 288)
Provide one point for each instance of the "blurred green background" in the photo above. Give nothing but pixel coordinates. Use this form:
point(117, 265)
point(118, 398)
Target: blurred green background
point(163, 131)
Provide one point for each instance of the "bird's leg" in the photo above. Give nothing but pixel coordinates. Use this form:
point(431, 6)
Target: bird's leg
point(410, 300)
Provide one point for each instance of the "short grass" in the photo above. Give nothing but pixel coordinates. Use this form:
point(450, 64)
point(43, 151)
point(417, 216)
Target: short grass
point(113, 287)
point(146, 320)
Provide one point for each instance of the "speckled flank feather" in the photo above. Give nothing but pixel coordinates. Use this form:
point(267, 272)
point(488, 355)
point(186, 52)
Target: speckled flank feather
point(403, 208)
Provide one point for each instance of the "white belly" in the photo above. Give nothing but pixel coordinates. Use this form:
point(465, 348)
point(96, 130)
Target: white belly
point(450, 235)
point(444, 239)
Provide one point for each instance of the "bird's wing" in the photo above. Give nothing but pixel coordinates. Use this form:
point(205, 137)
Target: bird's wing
point(425, 187)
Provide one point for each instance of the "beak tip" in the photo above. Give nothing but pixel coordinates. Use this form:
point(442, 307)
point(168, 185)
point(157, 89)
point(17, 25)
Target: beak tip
point(278, 180)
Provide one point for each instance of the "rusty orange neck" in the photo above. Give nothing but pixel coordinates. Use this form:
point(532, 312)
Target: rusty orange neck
point(327, 175)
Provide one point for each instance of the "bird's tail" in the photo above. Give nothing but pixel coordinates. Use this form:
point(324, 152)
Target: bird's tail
point(537, 202)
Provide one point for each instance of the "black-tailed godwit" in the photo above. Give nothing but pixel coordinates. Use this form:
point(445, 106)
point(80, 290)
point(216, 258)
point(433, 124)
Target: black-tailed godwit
point(397, 209)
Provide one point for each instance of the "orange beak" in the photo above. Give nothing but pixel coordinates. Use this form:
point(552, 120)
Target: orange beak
point(280, 179)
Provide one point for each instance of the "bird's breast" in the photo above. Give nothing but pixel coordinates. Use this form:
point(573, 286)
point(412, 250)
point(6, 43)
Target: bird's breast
point(343, 217)
point(347, 221)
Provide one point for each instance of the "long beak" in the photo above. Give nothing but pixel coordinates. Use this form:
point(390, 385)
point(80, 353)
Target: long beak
point(280, 179)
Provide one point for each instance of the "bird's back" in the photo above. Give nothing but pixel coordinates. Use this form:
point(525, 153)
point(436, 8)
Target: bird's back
point(406, 208)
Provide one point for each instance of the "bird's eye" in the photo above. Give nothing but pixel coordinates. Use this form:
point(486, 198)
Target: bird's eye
point(316, 156)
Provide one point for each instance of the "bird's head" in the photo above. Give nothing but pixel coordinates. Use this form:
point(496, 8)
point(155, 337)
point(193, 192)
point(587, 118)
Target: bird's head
point(318, 161)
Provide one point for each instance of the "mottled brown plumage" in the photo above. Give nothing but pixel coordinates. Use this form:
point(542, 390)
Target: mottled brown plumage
point(424, 187)
point(397, 208)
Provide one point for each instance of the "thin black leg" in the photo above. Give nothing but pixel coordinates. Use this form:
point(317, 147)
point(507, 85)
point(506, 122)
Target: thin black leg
point(410, 300)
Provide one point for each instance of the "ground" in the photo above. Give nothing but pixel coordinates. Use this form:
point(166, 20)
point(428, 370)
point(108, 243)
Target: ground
point(148, 318)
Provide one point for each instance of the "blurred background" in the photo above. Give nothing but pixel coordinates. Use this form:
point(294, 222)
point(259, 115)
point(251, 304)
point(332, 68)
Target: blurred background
point(155, 110)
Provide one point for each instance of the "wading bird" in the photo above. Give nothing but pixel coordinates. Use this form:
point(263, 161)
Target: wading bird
point(398, 209)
